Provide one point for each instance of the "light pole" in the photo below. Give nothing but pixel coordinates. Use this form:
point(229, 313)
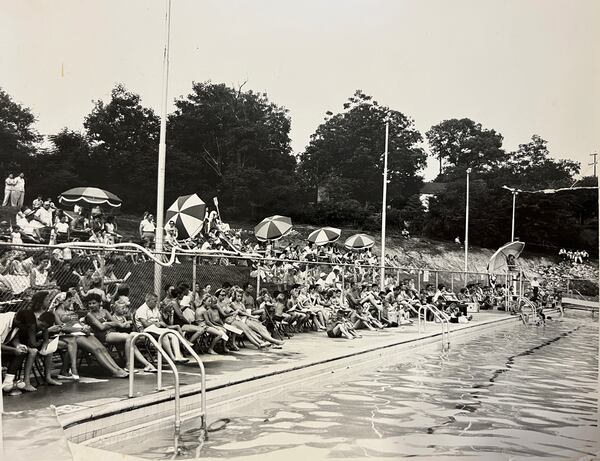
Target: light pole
point(467, 228)
point(514, 194)
point(384, 206)
point(162, 152)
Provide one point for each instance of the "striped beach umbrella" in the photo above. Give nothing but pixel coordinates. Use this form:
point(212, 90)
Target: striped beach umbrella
point(324, 235)
point(273, 228)
point(90, 196)
point(359, 242)
point(188, 213)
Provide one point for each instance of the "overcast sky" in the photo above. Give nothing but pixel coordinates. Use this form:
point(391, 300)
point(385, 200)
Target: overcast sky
point(518, 66)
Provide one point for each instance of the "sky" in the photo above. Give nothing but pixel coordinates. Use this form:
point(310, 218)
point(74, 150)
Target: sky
point(521, 67)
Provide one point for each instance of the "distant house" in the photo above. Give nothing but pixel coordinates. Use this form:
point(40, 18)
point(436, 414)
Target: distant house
point(430, 189)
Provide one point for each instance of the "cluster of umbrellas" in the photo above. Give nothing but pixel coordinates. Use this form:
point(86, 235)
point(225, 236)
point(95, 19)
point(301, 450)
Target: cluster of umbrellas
point(188, 213)
point(275, 227)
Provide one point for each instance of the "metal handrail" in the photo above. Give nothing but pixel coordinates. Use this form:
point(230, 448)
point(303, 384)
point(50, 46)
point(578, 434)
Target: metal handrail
point(438, 315)
point(161, 353)
point(202, 373)
point(443, 318)
point(530, 304)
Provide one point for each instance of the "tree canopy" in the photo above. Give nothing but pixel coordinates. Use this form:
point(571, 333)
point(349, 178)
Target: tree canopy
point(465, 144)
point(345, 154)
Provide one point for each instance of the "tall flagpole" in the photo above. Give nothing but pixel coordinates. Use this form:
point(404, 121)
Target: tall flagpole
point(384, 206)
point(162, 152)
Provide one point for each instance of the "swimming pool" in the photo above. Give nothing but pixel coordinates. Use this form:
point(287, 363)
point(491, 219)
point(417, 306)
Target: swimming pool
point(509, 393)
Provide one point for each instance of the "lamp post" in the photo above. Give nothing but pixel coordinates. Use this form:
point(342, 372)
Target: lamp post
point(162, 152)
point(384, 206)
point(514, 204)
point(467, 227)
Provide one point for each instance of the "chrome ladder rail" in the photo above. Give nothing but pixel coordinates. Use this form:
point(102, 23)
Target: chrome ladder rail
point(437, 314)
point(161, 353)
point(202, 373)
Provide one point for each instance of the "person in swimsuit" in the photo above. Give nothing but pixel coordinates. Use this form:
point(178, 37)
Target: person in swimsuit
point(212, 317)
point(108, 330)
point(68, 319)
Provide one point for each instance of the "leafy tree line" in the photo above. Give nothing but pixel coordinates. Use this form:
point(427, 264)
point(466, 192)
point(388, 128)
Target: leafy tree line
point(234, 144)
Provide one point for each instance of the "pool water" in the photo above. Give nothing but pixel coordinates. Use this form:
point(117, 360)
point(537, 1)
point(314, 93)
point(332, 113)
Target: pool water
point(510, 393)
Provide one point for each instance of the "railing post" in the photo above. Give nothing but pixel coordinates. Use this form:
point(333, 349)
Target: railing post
point(257, 280)
point(343, 291)
point(194, 275)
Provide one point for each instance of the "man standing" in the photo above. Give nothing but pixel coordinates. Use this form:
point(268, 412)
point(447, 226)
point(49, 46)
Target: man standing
point(9, 188)
point(17, 197)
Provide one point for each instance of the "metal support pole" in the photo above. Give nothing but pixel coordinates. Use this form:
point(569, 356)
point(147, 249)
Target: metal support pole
point(194, 275)
point(384, 206)
point(343, 292)
point(512, 233)
point(419, 281)
point(257, 280)
point(452, 281)
point(162, 153)
point(437, 279)
point(467, 226)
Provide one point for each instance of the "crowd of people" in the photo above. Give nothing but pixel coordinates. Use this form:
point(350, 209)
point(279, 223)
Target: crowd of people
point(577, 256)
point(70, 310)
point(44, 222)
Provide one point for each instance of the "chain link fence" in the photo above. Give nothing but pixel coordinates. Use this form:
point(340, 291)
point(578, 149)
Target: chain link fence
point(26, 268)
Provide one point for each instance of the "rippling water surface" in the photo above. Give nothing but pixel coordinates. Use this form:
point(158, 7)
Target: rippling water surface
point(515, 392)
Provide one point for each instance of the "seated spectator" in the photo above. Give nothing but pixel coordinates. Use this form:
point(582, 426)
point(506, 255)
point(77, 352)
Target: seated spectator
point(148, 318)
point(62, 229)
point(45, 215)
point(66, 317)
point(109, 330)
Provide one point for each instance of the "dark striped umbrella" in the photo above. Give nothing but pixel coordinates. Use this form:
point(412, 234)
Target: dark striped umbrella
point(90, 196)
point(188, 214)
point(359, 242)
point(273, 228)
point(324, 235)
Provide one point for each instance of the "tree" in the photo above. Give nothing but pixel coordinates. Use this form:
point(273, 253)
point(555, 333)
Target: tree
point(18, 136)
point(123, 136)
point(234, 143)
point(465, 144)
point(348, 150)
point(68, 159)
point(531, 166)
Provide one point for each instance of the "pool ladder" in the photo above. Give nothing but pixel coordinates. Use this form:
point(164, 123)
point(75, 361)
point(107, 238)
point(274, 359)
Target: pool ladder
point(160, 352)
point(438, 315)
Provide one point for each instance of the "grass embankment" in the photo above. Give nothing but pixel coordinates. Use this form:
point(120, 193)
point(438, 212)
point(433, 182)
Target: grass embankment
point(414, 252)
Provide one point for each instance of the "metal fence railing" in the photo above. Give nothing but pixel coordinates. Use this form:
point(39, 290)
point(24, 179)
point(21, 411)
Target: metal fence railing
point(64, 267)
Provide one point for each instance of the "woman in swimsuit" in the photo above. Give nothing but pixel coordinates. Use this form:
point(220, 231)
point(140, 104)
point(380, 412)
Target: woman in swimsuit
point(108, 330)
point(68, 319)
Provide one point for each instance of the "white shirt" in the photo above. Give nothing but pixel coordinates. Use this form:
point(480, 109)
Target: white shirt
point(9, 184)
point(20, 184)
point(331, 279)
point(146, 313)
point(44, 216)
point(147, 226)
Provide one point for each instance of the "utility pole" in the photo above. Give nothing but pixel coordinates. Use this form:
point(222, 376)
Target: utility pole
point(384, 207)
point(162, 152)
point(594, 162)
point(467, 228)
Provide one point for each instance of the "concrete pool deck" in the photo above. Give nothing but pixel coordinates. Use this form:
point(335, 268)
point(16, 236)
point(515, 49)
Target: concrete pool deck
point(97, 396)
